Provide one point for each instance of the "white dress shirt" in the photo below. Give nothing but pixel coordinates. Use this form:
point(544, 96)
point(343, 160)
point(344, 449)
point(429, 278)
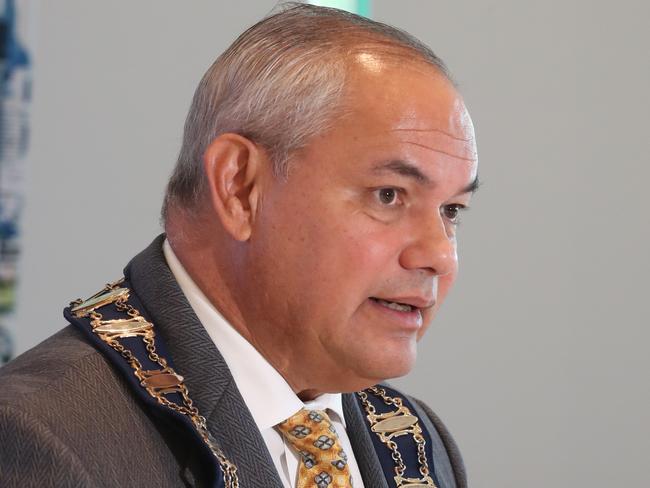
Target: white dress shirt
point(268, 396)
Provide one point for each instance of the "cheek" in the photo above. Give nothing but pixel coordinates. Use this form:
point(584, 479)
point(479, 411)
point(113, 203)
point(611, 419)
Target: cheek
point(345, 260)
point(342, 261)
point(324, 251)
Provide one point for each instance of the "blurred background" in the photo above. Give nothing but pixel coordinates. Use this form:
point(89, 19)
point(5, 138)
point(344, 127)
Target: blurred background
point(539, 360)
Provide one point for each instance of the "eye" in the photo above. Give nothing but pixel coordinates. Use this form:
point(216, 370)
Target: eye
point(387, 196)
point(452, 212)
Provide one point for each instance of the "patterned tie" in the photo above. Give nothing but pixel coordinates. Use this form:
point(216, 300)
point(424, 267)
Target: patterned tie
point(323, 462)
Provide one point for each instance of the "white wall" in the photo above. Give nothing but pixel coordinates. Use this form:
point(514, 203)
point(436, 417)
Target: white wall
point(539, 362)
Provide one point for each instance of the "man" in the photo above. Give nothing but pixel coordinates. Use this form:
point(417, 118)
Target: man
point(310, 239)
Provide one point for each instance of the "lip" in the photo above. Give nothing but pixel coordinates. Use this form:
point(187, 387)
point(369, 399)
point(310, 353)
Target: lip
point(407, 321)
point(415, 301)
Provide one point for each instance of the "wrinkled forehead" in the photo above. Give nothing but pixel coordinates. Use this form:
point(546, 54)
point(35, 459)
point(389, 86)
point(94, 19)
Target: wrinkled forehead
point(411, 99)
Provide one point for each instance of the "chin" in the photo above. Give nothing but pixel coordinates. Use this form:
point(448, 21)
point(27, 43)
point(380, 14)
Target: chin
point(399, 370)
point(370, 375)
point(390, 363)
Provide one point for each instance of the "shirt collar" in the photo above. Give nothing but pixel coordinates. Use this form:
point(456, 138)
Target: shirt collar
point(268, 396)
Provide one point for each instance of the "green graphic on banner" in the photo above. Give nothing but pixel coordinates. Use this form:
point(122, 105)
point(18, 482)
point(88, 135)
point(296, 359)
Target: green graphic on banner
point(361, 7)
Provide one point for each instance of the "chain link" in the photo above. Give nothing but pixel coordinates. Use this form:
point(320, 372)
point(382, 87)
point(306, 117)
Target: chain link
point(228, 469)
point(416, 433)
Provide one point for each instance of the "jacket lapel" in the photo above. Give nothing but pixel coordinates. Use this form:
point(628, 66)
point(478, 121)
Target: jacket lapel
point(364, 450)
point(206, 374)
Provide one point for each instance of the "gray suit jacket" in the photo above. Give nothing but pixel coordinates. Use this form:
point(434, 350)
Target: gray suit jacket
point(68, 419)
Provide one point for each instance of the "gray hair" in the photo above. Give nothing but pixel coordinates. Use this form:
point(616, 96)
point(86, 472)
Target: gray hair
point(280, 84)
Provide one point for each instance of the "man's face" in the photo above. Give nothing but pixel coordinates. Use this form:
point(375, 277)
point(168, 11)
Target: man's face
point(355, 252)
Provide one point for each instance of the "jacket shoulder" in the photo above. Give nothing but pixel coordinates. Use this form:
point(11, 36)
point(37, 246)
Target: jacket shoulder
point(63, 396)
point(29, 376)
point(32, 455)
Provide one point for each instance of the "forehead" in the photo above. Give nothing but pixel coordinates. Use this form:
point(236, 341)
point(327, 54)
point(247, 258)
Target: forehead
point(399, 110)
point(406, 97)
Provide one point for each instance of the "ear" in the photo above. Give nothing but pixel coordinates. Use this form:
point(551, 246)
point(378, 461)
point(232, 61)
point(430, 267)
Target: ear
point(233, 166)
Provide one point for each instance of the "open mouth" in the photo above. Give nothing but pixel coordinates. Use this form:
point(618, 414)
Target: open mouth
point(400, 307)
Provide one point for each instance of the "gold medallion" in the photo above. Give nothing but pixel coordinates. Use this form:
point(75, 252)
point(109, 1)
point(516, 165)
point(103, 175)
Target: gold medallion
point(136, 326)
point(413, 482)
point(395, 424)
point(99, 300)
point(162, 381)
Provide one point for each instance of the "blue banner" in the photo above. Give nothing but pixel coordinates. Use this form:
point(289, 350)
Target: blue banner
point(15, 97)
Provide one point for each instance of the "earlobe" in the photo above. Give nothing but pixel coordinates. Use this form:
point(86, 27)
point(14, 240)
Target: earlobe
point(232, 164)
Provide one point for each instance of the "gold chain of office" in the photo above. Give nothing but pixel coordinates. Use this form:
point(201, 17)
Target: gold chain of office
point(157, 382)
point(393, 424)
point(165, 380)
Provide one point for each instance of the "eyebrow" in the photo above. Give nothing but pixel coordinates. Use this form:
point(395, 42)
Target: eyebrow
point(472, 187)
point(404, 169)
point(409, 170)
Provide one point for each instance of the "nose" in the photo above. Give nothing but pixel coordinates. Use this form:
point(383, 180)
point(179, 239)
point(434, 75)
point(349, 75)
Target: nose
point(432, 248)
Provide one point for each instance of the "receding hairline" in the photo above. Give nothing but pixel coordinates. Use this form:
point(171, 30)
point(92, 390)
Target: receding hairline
point(314, 48)
point(349, 33)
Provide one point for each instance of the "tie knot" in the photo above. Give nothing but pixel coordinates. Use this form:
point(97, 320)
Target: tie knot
point(323, 462)
point(305, 422)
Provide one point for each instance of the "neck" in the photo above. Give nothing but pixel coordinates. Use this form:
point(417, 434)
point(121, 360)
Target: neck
point(199, 255)
point(207, 257)
point(307, 395)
